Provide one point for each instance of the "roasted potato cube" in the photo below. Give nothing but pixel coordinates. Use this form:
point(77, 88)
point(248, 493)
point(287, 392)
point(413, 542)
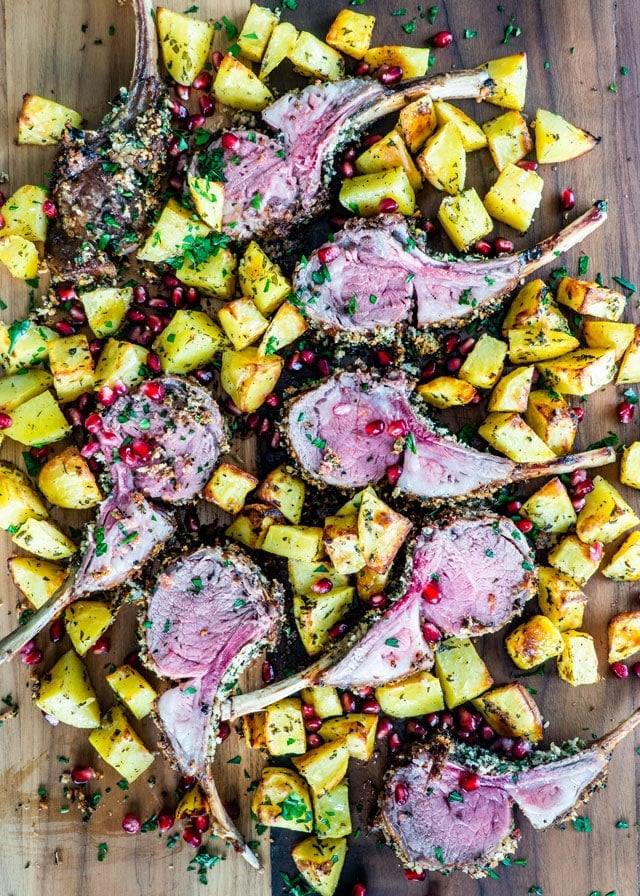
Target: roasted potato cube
point(106, 308)
point(42, 538)
point(120, 362)
point(324, 767)
point(534, 304)
point(192, 803)
point(414, 61)
point(256, 31)
point(281, 43)
point(216, 276)
point(24, 344)
point(606, 515)
point(36, 579)
point(133, 689)
point(623, 635)
point(472, 135)
point(191, 340)
point(18, 500)
point(550, 507)
point(184, 43)
point(629, 370)
point(381, 531)
point(39, 421)
point(514, 197)
point(284, 727)
point(509, 434)
point(447, 392)
point(417, 121)
point(630, 465)
point(294, 542)
point(316, 614)
point(19, 387)
point(443, 161)
point(282, 800)
point(578, 661)
point(508, 138)
point(551, 418)
point(416, 695)
point(580, 372)
point(251, 524)
point(350, 33)
point(66, 480)
point(509, 74)
point(23, 214)
point(305, 576)
point(119, 745)
point(285, 327)
point(66, 693)
point(325, 701)
point(389, 152)
point(342, 543)
point(173, 230)
point(285, 490)
point(560, 598)
point(462, 673)
point(208, 199)
point(320, 862)
point(86, 621)
point(228, 487)
point(511, 711)
point(557, 140)
point(314, 58)
point(19, 256)
point(359, 731)
point(538, 343)
point(262, 280)
point(464, 218)
point(608, 334)
point(511, 392)
point(363, 194)
point(576, 559)
point(587, 297)
point(484, 364)
point(71, 365)
point(242, 322)
point(369, 582)
point(42, 120)
point(533, 642)
point(624, 566)
point(253, 730)
point(332, 817)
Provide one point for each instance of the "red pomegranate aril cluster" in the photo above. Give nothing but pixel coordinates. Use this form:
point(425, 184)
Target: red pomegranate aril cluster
point(374, 427)
point(165, 820)
point(192, 837)
point(5, 420)
point(82, 774)
point(397, 428)
point(625, 411)
point(469, 781)
point(567, 200)
point(389, 74)
point(620, 670)
point(415, 875)
point(442, 39)
point(206, 105)
point(432, 591)
point(31, 655)
point(131, 824)
point(229, 141)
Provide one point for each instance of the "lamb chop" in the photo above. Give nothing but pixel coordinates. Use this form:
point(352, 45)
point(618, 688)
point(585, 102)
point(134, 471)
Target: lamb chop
point(376, 274)
point(450, 806)
point(339, 435)
point(485, 574)
point(207, 616)
point(105, 183)
point(274, 183)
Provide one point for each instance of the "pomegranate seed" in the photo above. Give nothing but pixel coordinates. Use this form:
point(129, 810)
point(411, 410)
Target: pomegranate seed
point(187, 782)
point(49, 209)
point(578, 413)
point(635, 668)
point(126, 455)
point(468, 721)
point(397, 428)
point(66, 292)
point(295, 362)
point(362, 69)
point(415, 875)
point(370, 706)
point(358, 890)
point(165, 820)
point(323, 367)
point(349, 154)
point(176, 182)
point(56, 631)
point(178, 110)
point(393, 474)
point(161, 304)
point(384, 358)
point(322, 586)
point(372, 139)
point(192, 295)
point(253, 420)
point(375, 427)
point(514, 506)
point(5, 421)
point(102, 645)
point(582, 489)
point(63, 328)
point(578, 504)
point(275, 440)
point(75, 417)
point(431, 633)
point(347, 169)
point(154, 390)
point(182, 91)
point(268, 672)
point(314, 740)
point(379, 601)
point(230, 141)
point(88, 450)
point(155, 323)
point(432, 719)
point(596, 550)
point(272, 400)
point(308, 356)
point(469, 781)
point(204, 377)
point(503, 246)
point(191, 521)
point(265, 426)
point(442, 39)
point(31, 657)
point(524, 525)
point(192, 837)
point(153, 362)
point(567, 200)
point(195, 122)
point(175, 146)
point(327, 254)
point(401, 793)
point(415, 729)
point(77, 315)
point(625, 411)
point(432, 592)
point(620, 670)
point(203, 81)
point(453, 365)
point(131, 823)
point(487, 732)
point(40, 453)
point(207, 105)
point(365, 691)
point(106, 396)
point(387, 205)
point(348, 701)
point(446, 720)
point(170, 281)
point(395, 741)
point(384, 728)
point(450, 343)
point(521, 748)
point(82, 774)
point(466, 346)
point(216, 59)
point(201, 822)
point(338, 630)
point(578, 476)
point(483, 247)
point(141, 449)
point(307, 710)
point(224, 730)
point(389, 74)
point(313, 725)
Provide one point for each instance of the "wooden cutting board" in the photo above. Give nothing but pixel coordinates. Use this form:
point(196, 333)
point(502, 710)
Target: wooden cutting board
point(583, 64)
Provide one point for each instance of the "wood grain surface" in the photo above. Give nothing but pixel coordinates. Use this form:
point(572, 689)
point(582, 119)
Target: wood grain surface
point(583, 64)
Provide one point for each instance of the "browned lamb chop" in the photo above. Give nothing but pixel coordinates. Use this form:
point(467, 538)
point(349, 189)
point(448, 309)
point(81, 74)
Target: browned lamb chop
point(340, 435)
point(485, 573)
point(449, 807)
point(106, 183)
point(274, 183)
point(376, 275)
point(207, 616)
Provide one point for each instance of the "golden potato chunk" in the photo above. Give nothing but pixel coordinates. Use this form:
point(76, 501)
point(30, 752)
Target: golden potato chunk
point(509, 434)
point(120, 362)
point(324, 699)
point(228, 487)
point(443, 161)
point(184, 43)
point(191, 340)
point(23, 214)
point(316, 614)
point(587, 297)
point(511, 711)
point(389, 152)
point(509, 74)
point(629, 370)
point(416, 695)
point(133, 689)
point(36, 579)
point(242, 322)
point(248, 377)
point(281, 43)
point(251, 524)
point(42, 120)
point(447, 392)
point(557, 140)
point(560, 598)
point(284, 732)
point(350, 33)
point(534, 304)
point(606, 515)
point(462, 673)
point(282, 800)
point(19, 256)
point(320, 862)
point(578, 660)
point(514, 197)
point(381, 531)
point(285, 490)
point(120, 746)
point(66, 693)
point(414, 61)
point(623, 635)
point(262, 280)
point(18, 500)
point(537, 343)
point(553, 419)
point(256, 31)
point(358, 729)
point(581, 372)
point(464, 218)
point(624, 566)
point(576, 559)
point(314, 58)
point(294, 542)
point(608, 334)
point(417, 121)
point(106, 308)
point(550, 507)
point(534, 642)
point(86, 621)
point(39, 421)
point(511, 392)
point(508, 138)
point(484, 364)
point(332, 814)
point(363, 194)
point(66, 480)
point(325, 766)
point(342, 543)
point(630, 465)
point(285, 327)
point(42, 538)
point(472, 135)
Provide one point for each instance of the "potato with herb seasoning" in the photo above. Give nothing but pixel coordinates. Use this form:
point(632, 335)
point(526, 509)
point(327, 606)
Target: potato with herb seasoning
point(120, 746)
point(325, 766)
point(315, 614)
point(332, 816)
point(66, 693)
point(320, 862)
point(67, 480)
point(511, 711)
point(358, 730)
point(313, 57)
point(282, 800)
point(462, 673)
point(533, 642)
